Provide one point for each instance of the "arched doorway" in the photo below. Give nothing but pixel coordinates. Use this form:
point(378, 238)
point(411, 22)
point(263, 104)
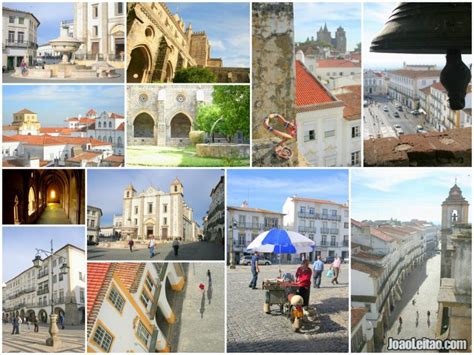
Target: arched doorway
point(30, 314)
point(143, 126)
point(180, 126)
point(31, 201)
point(140, 65)
point(169, 72)
point(43, 316)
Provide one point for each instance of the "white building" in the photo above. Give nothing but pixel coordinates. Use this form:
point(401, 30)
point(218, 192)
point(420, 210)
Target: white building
point(325, 222)
point(335, 73)
point(93, 223)
point(362, 337)
point(375, 83)
point(215, 227)
point(153, 212)
point(328, 124)
point(109, 127)
point(19, 37)
point(101, 29)
point(128, 307)
point(28, 294)
point(244, 224)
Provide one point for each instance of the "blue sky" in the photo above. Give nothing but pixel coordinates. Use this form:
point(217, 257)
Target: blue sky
point(269, 188)
point(55, 103)
point(375, 17)
point(48, 14)
point(309, 17)
point(405, 193)
point(226, 24)
point(19, 245)
point(105, 187)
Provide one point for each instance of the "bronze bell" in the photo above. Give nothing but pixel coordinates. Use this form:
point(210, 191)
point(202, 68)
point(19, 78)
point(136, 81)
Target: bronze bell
point(432, 28)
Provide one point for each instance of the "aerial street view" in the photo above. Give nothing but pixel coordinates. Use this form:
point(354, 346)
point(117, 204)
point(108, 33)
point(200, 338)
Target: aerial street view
point(417, 84)
point(411, 263)
point(36, 196)
point(306, 84)
point(188, 43)
point(188, 125)
point(155, 307)
point(65, 42)
point(44, 299)
point(155, 215)
point(87, 131)
point(288, 255)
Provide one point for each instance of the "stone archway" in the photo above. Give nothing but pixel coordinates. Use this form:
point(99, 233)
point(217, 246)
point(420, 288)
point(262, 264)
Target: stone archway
point(180, 126)
point(169, 72)
point(143, 126)
point(139, 68)
point(43, 316)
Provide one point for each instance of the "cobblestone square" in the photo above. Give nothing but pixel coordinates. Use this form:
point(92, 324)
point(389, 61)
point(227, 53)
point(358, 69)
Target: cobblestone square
point(249, 329)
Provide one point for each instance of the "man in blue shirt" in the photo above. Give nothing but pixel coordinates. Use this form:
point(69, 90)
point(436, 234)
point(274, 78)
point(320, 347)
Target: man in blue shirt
point(255, 270)
point(318, 268)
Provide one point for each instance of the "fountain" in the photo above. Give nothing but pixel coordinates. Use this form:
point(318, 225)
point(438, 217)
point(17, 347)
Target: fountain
point(67, 69)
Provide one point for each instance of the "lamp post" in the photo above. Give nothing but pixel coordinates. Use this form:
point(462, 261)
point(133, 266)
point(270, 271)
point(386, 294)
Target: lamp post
point(54, 339)
point(233, 227)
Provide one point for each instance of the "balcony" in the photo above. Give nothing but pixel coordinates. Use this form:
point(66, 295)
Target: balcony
point(327, 217)
point(306, 229)
point(334, 231)
point(42, 291)
point(308, 215)
point(43, 274)
point(22, 44)
point(324, 230)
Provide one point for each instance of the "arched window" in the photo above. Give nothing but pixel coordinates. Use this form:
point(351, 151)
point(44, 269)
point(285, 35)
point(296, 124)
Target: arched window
point(31, 201)
point(16, 216)
point(119, 141)
point(110, 139)
point(110, 124)
point(99, 125)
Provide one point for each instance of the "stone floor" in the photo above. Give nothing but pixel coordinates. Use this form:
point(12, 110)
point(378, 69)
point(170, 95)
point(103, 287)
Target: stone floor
point(420, 285)
point(53, 214)
point(200, 326)
point(249, 329)
point(8, 78)
point(163, 251)
point(73, 339)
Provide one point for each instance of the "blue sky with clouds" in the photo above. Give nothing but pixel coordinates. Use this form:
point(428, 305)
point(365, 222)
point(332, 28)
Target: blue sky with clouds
point(269, 188)
point(405, 193)
point(375, 17)
point(55, 103)
point(105, 187)
point(309, 17)
point(226, 24)
point(19, 245)
point(48, 14)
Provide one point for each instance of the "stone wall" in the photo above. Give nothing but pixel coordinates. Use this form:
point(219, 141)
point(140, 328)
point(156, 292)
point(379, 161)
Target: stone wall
point(223, 150)
point(231, 75)
point(273, 61)
point(449, 148)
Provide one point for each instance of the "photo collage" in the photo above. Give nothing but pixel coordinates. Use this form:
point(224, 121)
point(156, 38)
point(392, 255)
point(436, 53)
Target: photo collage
point(236, 177)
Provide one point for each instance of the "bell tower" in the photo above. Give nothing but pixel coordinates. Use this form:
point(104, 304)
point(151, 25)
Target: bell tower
point(128, 195)
point(176, 187)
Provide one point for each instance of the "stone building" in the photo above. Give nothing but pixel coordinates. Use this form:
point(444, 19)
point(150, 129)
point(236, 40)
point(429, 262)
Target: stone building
point(26, 122)
point(28, 294)
point(20, 40)
point(101, 29)
point(109, 127)
point(375, 83)
point(28, 194)
point(339, 41)
point(215, 227)
point(159, 43)
point(129, 306)
point(163, 115)
point(93, 223)
point(154, 212)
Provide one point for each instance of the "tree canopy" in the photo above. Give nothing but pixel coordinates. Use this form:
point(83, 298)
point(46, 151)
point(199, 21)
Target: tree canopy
point(194, 75)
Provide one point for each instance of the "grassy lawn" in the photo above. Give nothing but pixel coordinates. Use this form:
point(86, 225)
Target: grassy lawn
point(145, 155)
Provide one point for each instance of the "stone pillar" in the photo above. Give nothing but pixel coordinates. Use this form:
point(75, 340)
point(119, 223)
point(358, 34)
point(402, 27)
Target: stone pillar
point(104, 35)
point(273, 77)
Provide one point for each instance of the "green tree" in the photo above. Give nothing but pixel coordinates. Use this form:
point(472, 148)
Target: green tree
point(357, 48)
point(194, 75)
point(207, 114)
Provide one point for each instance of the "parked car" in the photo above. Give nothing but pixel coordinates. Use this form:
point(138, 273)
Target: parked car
point(247, 260)
point(419, 128)
point(329, 259)
point(415, 112)
point(400, 108)
point(396, 114)
point(385, 108)
point(92, 242)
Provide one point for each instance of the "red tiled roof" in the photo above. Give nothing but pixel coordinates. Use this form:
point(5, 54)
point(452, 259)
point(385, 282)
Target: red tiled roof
point(372, 270)
point(357, 223)
point(115, 158)
point(251, 209)
point(72, 119)
point(414, 74)
point(129, 273)
point(86, 120)
point(380, 235)
point(336, 63)
point(121, 127)
point(309, 91)
point(91, 112)
point(351, 101)
point(315, 200)
point(85, 156)
point(356, 315)
point(96, 273)
point(59, 140)
point(115, 115)
point(9, 139)
point(9, 128)
point(25, 110)
point(438, 86)
point(61, 130)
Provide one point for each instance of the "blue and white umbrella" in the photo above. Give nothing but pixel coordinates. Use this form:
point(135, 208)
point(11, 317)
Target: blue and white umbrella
point(280, 241)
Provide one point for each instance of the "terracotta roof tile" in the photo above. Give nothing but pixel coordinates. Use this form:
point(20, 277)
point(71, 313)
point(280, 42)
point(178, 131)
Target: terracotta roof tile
point(309, 91)
point(84, 156)
point(250, 209)
point(129, 274)
point(115, 158)
point(414, 74)
point(357, 314)
point(372, 270)
point(96, 273)
point(25, 110)
point(315, 200)
point(439, 86)
point(91, 112)
point(380, 235)
point(352, 100)
point(115, 115)
point(56, 140)
point(121, 127)
point(336, 63)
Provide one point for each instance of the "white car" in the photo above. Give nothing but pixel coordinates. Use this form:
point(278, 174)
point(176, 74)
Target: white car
point(385, 108)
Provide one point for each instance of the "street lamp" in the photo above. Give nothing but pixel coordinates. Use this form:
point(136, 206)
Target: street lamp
point(233, 228)
point(38, 262)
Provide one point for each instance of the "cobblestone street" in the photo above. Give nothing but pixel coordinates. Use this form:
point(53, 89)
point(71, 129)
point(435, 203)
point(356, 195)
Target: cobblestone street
point(249, 329)
point(30, 342)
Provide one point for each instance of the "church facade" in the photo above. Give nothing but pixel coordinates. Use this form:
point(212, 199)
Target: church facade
point(164, 215)
point(162, 115)
point(339, 41)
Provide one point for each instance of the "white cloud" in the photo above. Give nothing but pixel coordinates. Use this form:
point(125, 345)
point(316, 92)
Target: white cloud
point(217, 44)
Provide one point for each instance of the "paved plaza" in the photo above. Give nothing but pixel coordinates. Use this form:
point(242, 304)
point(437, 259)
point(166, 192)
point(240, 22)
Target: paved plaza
point(200, 326)
point(163, 251)
point(27, 341)
point(249, 329)
point(8, 78)
point(421, 285)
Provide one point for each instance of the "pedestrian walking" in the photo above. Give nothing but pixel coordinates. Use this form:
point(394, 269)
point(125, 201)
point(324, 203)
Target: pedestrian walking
point(400, 321)
point(61, 320)
point(417, 315)
point(130, 245)
point(27, 322)
point(428, 313)
point(336, 266)
point(151, 246)
point(318, 268)
point(176, 246)
point(35, 323)
point(303, 278)
point(255, 269)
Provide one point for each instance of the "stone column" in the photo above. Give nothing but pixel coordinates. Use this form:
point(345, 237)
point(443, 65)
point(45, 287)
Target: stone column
point(104, 35)
point(273, 77)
